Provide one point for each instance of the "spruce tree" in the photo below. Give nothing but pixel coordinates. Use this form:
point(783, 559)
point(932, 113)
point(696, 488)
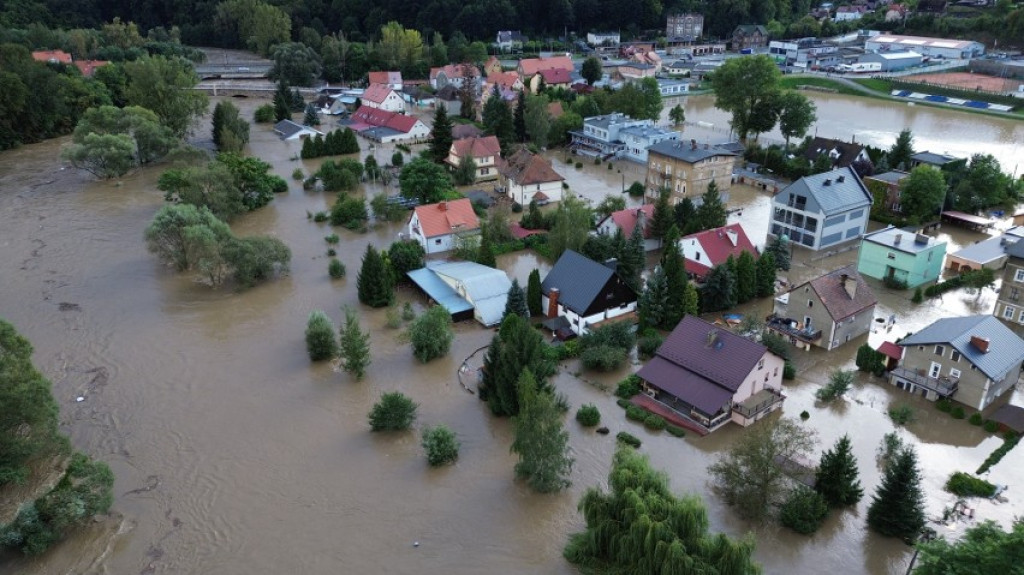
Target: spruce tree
point(320, 341)
point(282, 102)
point(766, 275)
point(691, 300)
point(631, 259)
point(354, 346)
point(440, 135)
point(319, 146)
point(484, 252)
point(711, 212)
point(497, 120)
point(719, 292)
point(662, 219)
point(348, 143)
point(519, 117)
point(836, 479)
point(685, 215)
point(374, 282)
point(220, 117)
point(311, 117)
point(516, 302)
point(516, 346)
point(779, 251)
point(674, 265)
point(746, 277)
point(653, 301)
point(540, 439)
point(331, 144)
point(534, 294)
point(897, 508)
point(307, 149)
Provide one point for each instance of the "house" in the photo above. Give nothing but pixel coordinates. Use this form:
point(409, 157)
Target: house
point(454, 74)
point(484, 151)
point(885, 188)
point(383, 97)
point(687, 169)
point(849, 13)
point(893, 254)
point(672, 88)
point(449, 98)
point(606, 137)
point(437, 226)
point(52, 56)
point(530, 67)
point(749, 37)
point(712, 376)
point(823, 210)
point(703, 251)
point(635, 70)
point(88, 67)
point(988, 254)
point(527, 177)
point(391, 79)
point(684, 27)
point(510, 40)
point(893, 61)
point(504, 81)
point(895, 12)
point(586, 293)
point(842, 154)
point(386, 127)
point(627, 220)
point(417, 97)
point(492, 66)
point(549, 77)
point(289, 130)
point(825, 312)
point(937, 161)
point(465, 289)
point(679, 68)
point(461, 131)
point(931, 47)
point(603, 38)
point(973, 360)
point(1009, 303)
point(332, 105)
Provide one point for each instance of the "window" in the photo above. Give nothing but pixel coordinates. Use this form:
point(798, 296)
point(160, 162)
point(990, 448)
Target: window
point(1014, 294)
point(954, 372)
point(939, 350)
point(437, 242)
point(776, 372)
point(934, 371)
point(1019, 277)
point(810, 303)
point(1008, 312)
point(955, 356)
point(891, 255)
point(1021, 318)
point(760, 364)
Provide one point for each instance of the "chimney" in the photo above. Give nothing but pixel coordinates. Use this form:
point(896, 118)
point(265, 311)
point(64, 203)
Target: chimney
point(896, 240)
point(840, 179)
point(827, 182)
point(443, 206)
point(980, 342)
point(921, 239)
point(553, 302)
point(693, 144)
point(712, 336)
point(849, 284)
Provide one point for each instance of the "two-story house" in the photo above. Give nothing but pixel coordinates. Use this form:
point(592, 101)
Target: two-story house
point(527, 177)
point(391, 79)
point(974, 360)
point(455, 75)
point(586, 293)
point(712, 376)
point(484, 151)
point(617, 134)
point(749, 37)
point(627, 220)
point(1010, 302)
point(885, 189)
point(704, 250)
point(509, 40)
point(686, 169)
point(383, 97)
point(684, 27)
point(437, 226)
point(825, 312)
point(823, 210)
point(904, 256)
point(841, 154)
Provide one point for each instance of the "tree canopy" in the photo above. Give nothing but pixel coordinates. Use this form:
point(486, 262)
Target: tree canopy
point(426, 181)
point(984, 548)
point(922, 193)
point(748, 88)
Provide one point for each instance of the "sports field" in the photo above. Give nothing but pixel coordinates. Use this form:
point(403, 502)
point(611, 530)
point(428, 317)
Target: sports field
point(968, 81)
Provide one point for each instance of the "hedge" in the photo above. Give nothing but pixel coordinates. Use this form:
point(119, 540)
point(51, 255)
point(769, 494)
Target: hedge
point(628, 439)
point(967, 485)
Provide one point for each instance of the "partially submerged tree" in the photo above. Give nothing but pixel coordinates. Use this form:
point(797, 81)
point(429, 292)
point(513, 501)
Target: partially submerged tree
point(984, 548)
point(394, 412)
point(354, 346)
point(515, 302)
point(534, 294)
point(320, 341)
point(374, 283)
point(516, 347)
point(837, 477)
point(109, 142)
point(540, 440)
point(431, 334)
point(897, 508)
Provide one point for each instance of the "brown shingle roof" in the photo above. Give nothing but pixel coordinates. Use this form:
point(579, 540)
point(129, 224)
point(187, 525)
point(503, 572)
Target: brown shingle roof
point(834, 296)
point(531, 66)
point(477, 147)
point(525, 168)
point(377, 93)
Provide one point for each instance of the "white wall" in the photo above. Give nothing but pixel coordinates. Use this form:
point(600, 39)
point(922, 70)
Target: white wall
point(693, 250)
point(523, 194)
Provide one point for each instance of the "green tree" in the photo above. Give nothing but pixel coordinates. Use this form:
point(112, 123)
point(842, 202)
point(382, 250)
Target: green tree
point(354, 346)
point(255, 259)
point(837, 476)
point(677, 115)
point(897, 508)
point(540, 439)
point(166, 86)
point(516, 347)
point(744, 87)
point(640, 526)
point(440, 136)
point(538, 122)
point(922, 193)
point(662, 218)
point(803, 511)
point(211, 186)
point(109, 142)
point(691, 300)
point(685, 215)
point(251, 176)
point(650, 99)
point(425, 181)
point(102, 155)
point(431, 334)
point(765, 275)
point(519, 117)
point(311, 117)
point(610, 204)
point(295, 63)
point(170, 234)
point(534, 294)
point(441, 445)
point(779, 250)
point(282, 101)
point(870, 360)
point(405, 256)
point(349, 212)
point(400, 48)
point(497, 120)
point(374, 283)
point(485, 252)
point(748, 475)
point(746, 277)
point(230, 131)
point(394, 412)
point(651, 306)
point(901, 150)
point(465, 173)
point(515, 302)
point(257, 25)
point(676, 281)
point(711, 212)
point(719, 291)
point(839, 382)
point(572, 224)
point(320, 341)
point(796, 115)
point(983, 185)
point(592, 70)
point(632, 258)
point(984, 548)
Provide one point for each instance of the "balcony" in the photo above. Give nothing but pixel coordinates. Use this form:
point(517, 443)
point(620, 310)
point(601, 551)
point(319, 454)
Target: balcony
point(944, 385)
point(789, 327)
point(761, 402)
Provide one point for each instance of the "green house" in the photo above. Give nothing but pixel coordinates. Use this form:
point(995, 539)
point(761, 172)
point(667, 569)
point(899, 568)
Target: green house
point(896, 254)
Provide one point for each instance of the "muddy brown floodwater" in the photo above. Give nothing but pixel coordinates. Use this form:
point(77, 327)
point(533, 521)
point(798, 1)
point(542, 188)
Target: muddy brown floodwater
point(235, 455)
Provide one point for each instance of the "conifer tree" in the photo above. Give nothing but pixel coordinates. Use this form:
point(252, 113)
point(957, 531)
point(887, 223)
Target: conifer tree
point(720, 289)
point(497, 120)
point(534, 294)
point(320, 341)
point(319, 147)
point(515, 347)
point(374, 282)
point(711, 212)
point(484, 252)
point(746, 277)
point(354, 346)
point(685, 215)
point(779, 251)
point(766, 275)
point(837, 478)
point(331, 144)
point(220, 117)
point(897, 508)
point(516, 302)
point(654, 300)
point(347, 142)
point(631, 259)
point(307, 149)
point(691, 300)
point(440, 135)
point(674, 265)
point(282, 102)
point(540, 439)
point(662, 219)
point(311, 117)
point(519, 117)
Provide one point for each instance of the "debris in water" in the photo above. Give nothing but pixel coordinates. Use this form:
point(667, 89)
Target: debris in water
point(415, 543)
point(80, 398)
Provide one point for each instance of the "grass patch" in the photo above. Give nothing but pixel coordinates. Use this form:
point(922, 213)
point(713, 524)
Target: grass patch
point(794, 83)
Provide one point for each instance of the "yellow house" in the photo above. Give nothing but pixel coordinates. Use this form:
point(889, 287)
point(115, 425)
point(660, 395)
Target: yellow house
point(687, 168)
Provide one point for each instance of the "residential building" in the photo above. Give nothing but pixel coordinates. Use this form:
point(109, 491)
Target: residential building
point(973, 360)
point(88, 67)
point(673, 88)
point(935, 160)
point(510, 40)
point(684, 27)
point(456, 75)
point(437, 226)
point(504, 81)
point(392, 80)
point(449, 98)
point(679, 68)
point(931, 47)
point(603, 38)
point(586, 293)
point(988, 254)
point(527, 177)
point(823, 210)
point(687, 169)
point(550, 78)
point(1010, 301)
point(825, 312)
point(492, 66)
point(849, 13)
point(885, 189)
point(386, 127)
point(712, 376)
point(893, 61)
point(52, 56)
point(703, 251)
point(749, 37)
point(465, 289)
point(529, 67)
point(679, 48)
point(894, 254)
point(289, 130)
point(618, 135)
point(842, 154)
point(383, 97)
point(627, 220)
point(485, 153)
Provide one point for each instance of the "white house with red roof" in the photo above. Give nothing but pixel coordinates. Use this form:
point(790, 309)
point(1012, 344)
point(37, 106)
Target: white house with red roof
point(436, 226)
point(52, 56)
point(529, 177)
point(529, 67)
point(705, 250)
point(627, 220)
point(392, 79)
point(454, 75)
point(385, 127)
point(552, 78)
point(484, 151)
point(383, 97)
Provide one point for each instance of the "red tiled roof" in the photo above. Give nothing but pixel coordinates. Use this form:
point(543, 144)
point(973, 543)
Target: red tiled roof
point(477, 147)
point(446, 217)
point(456, 71)
point(531, 66)
point(88, 67)
point(377, 93)
point(834, 296)
point(555, 76)
point(376, 117)
point(890, 349)
point(626, 219)
point(503, 79)
point(52, 56)
point(385, 77)
point(525, 168)
point(519, 232)
point(718, 245)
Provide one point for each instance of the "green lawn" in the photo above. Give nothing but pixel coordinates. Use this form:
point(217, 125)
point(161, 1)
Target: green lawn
point(793, 82)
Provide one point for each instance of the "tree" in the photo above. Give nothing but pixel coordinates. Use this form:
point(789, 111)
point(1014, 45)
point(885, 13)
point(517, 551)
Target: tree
point(538, 122)
point(431, 334)
point(354, 346)
point(166, 86)
point(901, 150)
point(400, 48)
point(426, 181)
point(691, 300)
point(484, 252)
point(230, 131)
point(440, 136)
point(897, 508)
point(662, 218)
point(870, 360)
point(676, 281)
point(211, 186)
point(320, 341)
point(685, 215)
point(650, 99)
point(257, 25)
point(171, 235)
point(441, 445)
point(540, 439)
point(746, 277)
point(719, 291)
point(749, 477)
point(592, 70)
point(516, 347)
point(610, 204)
point(515, 303)
point(572, 223)
point(651, 306)
point(765, 275)
point(405, 256)
point(837, 477)
point(374, 283)
point(251, 176)
point(640, 526)
point(839, 382)
point(394, 412)
point(534, 293)
point(677, 115)
point(497, 120)
point(796, 115)
point(922, 193)
point(519, 117)
point(983, 185)
point(743, 87)
point(710, 213)
point(804, 510)
point(255, 259)
point(465, 173)
point(282, 101)
point(631, 260)
point(295, 63)
point(984, 548)
point(467, 99)
point(779, 250)
point(311, 117)
point(109, 142)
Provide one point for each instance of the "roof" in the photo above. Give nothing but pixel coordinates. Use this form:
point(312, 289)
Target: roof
point(525, 168)
point(477, 147)
point(555, 76)
point(691, 153)
point(456, 71)
point(702, 364)
point(969, 218)
point(460, 131)
point(1011, 416)
point(891, 350)
point(719, 244)
point(520, 232)
point(1005, 349)
point(385, 78)
point(908, 55)
point(626, 219)
point(835, 191)
point(843, 153)
point(52, 56)
point(986, 251)
point(891, 177)
point(503, 79)
point(893, 39)
point(288, 128)
point(486, 287)
point(88, 67)
point(531, 66)
point(377, 93)
point(578, 279)
point(902, 240)
point(510, 36)
point(378, 118)
point(933, 159)
point(439, 291)
point(748, 29)
point(1016, 250)
point(444, 218)
point(836, 299)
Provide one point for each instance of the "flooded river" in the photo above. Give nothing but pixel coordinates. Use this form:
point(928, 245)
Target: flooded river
point(235, 455)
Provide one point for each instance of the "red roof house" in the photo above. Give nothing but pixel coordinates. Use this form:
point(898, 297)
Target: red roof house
point(393, 79)
point(383, 96)
point(531, 66)
point(627, 220)
point(385, 126)
point(554, 77)
point(485, 152)
point(527, 176)
point(707, 249)
point(52, 56)
point(88, 67)
point(435, 226)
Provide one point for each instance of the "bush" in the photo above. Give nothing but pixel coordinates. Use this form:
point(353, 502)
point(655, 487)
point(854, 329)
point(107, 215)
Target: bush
point(297, 174)
point(408, 314)
point(839, 383)
point(675, 430)
point(1009, 443)
point(603, 357)
point(655, 422)
point(623, 403)
point(976, 419)
point(393, 318)
point(895, 283)
point(918, 296)
point(804, 415)
point(336, 269)
point(804, 510)
point(332, 239)
point(991, 426)
point(628, 387)
point(264, 114)
point(578, 166)
point(394, 412)
point(636, 413)
point(967, 485)
point(646, 346)
point(349, 212)
point(397, 159)
point(441, 445)
point(870, 360)
point(788, 370)
point(629, 439)
point(588, 415)
point(331, 252)
point(320, 341)
point(320, 217)
point(901, 415)
point(431, 334)
point(944, 405)
point(958, 412)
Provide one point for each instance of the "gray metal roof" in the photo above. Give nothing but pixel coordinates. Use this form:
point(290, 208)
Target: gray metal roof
point(485, 287)
point(933, 158)
point(831, 194)
point(1016, 250)
point(647, 131)
point(1005, 349)
point(902, 240)
point(987, 250)
point(687, 152)
point(891, 177)
point(608, 120)
point(578, 278)
point(288, 128)
point(439, 291)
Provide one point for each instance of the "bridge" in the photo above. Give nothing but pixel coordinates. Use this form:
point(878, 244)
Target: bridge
point(239, 71)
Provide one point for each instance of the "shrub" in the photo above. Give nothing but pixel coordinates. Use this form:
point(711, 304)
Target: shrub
point(393, 318)
point(349, 212)
point(320, 217)
point(918, 296)
point(320, 341)
point(788, 370)
point(597, 161)
point(603, 357)
point(336, 269)
point(588, 415)
point(629, 439)
point(870, 360)
point(655, 422)
point(967, 485)
point(1009, 443)
point(944, 405)
point(569, 349)
point(394, 412)
point(958, 412)
point(408, 314)
point(839, 383)
point(804, 415)
point(975, 419)
point(441, 445)
point(628, 387)
point(901, 415)
point(332, 252)
point(895, 283)
point(647, 345)
point(297, 174)
point(561, 403)
point(804, 510)
point(991, 426)
point(264, 114)
point(397, 159)
point(579, 165)
point(623, 403)
point(635, 413)
point(431, 334)
point(675, 431)
point(332, 239)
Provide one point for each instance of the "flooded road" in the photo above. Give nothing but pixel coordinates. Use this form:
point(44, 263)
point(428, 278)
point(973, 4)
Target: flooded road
point(235, 455)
